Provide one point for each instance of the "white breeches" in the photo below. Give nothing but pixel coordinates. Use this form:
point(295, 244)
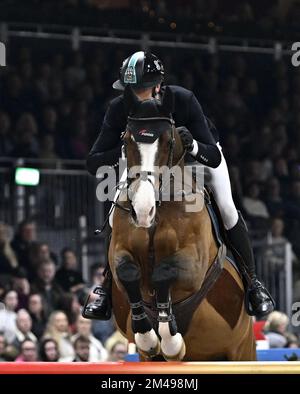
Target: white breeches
point(220, 184)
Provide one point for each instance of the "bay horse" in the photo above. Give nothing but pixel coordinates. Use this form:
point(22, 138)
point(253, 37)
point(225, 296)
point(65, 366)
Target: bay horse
point(174, 292)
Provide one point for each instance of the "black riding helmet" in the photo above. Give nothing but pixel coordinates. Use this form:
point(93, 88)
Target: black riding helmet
point(140, 70)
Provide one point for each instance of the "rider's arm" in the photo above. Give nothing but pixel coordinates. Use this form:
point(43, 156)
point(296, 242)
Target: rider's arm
point(205, 149)
point(107, 147)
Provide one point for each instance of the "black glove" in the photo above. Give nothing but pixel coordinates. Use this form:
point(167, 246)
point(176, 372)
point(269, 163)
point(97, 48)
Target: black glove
point(186, 138)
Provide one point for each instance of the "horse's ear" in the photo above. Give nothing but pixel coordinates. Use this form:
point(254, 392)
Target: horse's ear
point(131, 101)
point(168, 101)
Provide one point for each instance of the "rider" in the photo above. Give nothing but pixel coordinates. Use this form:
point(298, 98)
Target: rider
point(144, 72)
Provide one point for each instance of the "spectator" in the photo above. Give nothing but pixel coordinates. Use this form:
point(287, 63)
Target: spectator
point(281, 171)
point(72, 308)
point(8, 259)
point(40, 252)
point(49, 350)
point(8, 316)
point(23, 329)
point(277, 229)
point(3, 344)
point(37, 314)
point(82, 349)
point(84, 329)
point(47, 286)
point(28, 353)
point(118, 352)
point(253, 205)
point(114, 338)
point(274, 200)
point(103, 329)
point(276, 329)
point(68, 276)
point(21, 285)
point(75, 74)
point(23, 240)
point(26, 140)
point(58, 329)
point(97, 274)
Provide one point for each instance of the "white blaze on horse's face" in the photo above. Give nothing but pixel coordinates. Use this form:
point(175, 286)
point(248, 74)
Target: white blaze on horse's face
point(143, 200)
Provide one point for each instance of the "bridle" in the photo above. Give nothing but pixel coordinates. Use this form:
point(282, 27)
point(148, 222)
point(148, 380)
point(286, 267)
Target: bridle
point(146, 175)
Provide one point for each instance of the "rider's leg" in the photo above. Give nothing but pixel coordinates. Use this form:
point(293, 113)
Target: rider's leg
point(101, 308)
point(238, 237)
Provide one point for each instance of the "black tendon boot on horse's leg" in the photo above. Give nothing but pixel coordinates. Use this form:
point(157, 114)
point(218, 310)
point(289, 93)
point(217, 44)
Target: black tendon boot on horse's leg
point(258, 300)
point(147, 342)
point(172, 343)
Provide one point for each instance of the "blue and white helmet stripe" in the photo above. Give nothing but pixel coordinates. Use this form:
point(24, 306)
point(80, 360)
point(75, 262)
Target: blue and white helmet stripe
point(130, 73)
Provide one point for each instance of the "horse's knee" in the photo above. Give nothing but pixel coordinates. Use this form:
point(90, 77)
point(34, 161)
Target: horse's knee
point(127, 271)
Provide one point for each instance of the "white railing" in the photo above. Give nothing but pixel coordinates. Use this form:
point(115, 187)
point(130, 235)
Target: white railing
point(78, 36)
point(274, 268)
point(63, 205)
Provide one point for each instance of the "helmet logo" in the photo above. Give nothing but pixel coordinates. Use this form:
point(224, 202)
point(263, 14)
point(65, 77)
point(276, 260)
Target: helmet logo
point(130, 75)
point(157, 65)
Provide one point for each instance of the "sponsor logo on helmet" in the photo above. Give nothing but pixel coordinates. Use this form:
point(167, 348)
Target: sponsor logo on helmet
point(130, 76)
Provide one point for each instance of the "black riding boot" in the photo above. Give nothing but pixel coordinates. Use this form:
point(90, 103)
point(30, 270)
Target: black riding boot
point(258, 300)
point(101, 308)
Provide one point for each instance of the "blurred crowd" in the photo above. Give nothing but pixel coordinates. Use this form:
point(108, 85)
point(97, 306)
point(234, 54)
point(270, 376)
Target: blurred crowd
point(247, 18)
point(41, 297)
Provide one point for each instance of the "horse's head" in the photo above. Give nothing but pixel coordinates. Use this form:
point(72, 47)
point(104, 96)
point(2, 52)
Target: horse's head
point(149, 144)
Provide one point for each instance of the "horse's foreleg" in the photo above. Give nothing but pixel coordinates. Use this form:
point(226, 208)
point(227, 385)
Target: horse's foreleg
point(145, 337)
point(172, 343)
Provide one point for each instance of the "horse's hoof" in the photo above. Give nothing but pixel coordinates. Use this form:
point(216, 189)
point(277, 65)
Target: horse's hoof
point(153, 352)
point(177, 357)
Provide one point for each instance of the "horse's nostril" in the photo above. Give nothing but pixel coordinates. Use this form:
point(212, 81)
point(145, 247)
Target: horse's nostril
point(151, 211)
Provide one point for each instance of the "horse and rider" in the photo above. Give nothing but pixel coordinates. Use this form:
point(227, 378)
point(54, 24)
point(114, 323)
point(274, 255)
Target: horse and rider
point(142, 82)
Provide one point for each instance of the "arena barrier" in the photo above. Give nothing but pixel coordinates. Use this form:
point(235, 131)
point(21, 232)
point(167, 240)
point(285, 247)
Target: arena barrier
point(292, 354)
point(152, 368)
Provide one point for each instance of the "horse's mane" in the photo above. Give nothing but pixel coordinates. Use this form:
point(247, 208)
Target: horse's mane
point(148, 109)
